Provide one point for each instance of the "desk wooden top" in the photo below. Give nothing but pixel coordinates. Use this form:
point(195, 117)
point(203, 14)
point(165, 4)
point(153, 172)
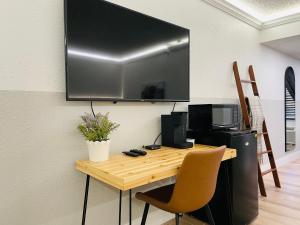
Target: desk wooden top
point(124, 173)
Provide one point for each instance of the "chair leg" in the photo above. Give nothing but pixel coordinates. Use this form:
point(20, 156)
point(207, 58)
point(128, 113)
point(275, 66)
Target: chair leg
point(177, 218)
point(146, 209)
point(209, 215)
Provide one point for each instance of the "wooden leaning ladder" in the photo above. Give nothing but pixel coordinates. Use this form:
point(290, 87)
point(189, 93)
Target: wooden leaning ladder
point(265, 133)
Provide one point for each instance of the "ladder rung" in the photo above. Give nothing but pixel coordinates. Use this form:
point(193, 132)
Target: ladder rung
point(268, 171)
point(264, 152)
point(248, 81)
point(262, 133)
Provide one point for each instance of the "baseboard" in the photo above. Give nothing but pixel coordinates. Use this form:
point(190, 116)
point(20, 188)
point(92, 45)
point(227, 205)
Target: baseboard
point(288, 158)
point(154, 218)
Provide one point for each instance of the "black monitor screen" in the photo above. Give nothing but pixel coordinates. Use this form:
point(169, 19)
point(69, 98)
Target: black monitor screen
point(116, 54)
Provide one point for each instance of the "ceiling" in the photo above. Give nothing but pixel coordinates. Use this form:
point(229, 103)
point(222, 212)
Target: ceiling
point(267, 10)
point(261, 14)
point(289, 46)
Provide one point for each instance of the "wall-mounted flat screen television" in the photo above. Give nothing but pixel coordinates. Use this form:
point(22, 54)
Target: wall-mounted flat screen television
point(116, 54)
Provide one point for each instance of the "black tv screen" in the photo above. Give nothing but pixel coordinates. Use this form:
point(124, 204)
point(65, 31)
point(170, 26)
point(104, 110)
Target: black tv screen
point(117, 54)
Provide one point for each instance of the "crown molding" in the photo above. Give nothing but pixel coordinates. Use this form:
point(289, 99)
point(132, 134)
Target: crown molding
point(247, 18)
point(234, 11)
point(281, 21)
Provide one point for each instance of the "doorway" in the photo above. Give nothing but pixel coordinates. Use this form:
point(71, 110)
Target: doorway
point(290, 110)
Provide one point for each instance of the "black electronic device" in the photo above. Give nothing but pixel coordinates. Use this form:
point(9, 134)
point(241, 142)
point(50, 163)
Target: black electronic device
point(235, 201)
point(208, 117)
point(116, 54)
point(183, 145)
point(137, 151)
point(131, 154)
point(152, 147)
point(173, 130)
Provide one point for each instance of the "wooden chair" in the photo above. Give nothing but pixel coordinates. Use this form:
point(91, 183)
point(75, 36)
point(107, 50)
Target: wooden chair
point(195, 186)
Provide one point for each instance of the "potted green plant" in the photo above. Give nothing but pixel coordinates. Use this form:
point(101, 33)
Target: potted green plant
point(96, 129)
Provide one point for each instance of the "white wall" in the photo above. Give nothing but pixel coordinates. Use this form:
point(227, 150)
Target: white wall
point(38, 139)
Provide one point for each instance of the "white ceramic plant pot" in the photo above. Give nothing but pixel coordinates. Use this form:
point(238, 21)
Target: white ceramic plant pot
point(98, 150)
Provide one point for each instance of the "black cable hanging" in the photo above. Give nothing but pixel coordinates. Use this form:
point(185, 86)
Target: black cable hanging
point(92, 108)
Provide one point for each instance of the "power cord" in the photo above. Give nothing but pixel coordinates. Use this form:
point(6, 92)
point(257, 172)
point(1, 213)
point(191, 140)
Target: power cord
point(160, 132)
point(92, 108)
point(174, 107)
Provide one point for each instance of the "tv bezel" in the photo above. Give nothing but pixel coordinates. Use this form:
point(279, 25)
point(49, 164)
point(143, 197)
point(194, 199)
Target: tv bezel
point(68, 98)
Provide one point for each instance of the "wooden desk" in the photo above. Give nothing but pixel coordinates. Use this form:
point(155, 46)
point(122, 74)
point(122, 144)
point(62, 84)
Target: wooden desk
point(126, 173)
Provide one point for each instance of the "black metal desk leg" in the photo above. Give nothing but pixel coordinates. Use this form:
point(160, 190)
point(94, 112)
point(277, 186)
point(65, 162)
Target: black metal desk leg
point(130, 207)
point(120, 207)
point(209, 215)
point(86, 195)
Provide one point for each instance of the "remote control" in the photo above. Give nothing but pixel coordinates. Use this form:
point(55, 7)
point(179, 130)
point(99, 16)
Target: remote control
point(140, 152)
point(131, 154)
